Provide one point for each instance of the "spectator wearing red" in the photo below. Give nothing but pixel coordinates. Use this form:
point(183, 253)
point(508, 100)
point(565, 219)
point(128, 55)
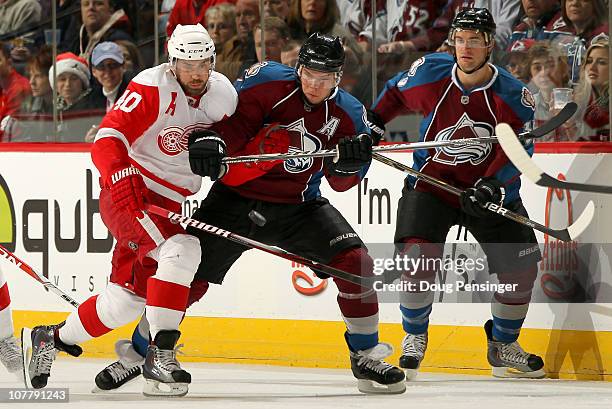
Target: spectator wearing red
point(191, 12)
point(14, 88)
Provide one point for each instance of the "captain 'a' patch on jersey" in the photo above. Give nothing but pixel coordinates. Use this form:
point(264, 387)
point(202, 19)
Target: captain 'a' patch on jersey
point(301, 140)
point(464, 128)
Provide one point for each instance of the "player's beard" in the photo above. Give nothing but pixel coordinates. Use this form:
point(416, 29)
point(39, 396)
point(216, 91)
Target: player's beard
point(195, 88)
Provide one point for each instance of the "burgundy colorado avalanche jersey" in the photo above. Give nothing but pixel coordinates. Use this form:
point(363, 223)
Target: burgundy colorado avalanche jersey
point(431, 87)
point(270, 93)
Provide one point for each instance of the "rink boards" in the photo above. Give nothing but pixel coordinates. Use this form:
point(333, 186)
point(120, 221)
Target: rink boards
point(270, 311)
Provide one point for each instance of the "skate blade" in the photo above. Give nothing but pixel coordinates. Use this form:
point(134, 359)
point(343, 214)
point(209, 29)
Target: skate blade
point(26, 351)
point(368, 386)
point(505, 372)
point(411, 374)
point(156, 388)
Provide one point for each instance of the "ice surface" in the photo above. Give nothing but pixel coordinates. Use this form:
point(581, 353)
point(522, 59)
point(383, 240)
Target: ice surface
point(231, 386)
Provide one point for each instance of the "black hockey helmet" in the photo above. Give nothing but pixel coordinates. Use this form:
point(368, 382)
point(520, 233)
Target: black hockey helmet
point(322, 52)
point(478, 19)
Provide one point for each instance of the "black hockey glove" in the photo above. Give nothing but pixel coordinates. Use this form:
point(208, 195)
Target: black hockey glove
point(474, 199)
point(377, 127)
point(206, 149)
point(353, 154)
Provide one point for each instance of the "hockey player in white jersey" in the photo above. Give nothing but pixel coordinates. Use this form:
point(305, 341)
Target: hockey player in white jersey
point(141, 153)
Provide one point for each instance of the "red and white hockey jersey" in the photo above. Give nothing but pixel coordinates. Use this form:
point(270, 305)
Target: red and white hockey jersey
point(149, 128)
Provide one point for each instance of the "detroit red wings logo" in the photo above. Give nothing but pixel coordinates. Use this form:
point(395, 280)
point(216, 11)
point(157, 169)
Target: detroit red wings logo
point(172, 140)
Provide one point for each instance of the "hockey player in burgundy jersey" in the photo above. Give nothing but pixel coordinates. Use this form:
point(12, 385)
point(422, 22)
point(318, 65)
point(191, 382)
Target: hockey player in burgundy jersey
point(141, 153)
point(465, 96)
point(316, 114)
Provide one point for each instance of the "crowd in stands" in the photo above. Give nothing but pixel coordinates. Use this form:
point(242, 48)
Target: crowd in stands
point(558, 48)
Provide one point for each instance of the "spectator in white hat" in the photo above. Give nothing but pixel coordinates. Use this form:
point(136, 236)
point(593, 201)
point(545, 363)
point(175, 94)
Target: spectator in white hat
point(109, 69)
point(72, 78)
point(75, 98)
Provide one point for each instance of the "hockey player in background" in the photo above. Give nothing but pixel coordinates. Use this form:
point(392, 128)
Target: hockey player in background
point(10, 354)
point(141, 153)
point(465, 96)
point(314, 114)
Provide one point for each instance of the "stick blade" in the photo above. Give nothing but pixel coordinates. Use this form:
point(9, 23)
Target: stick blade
point(583, 221)
point(517, 154)
point(526, 165)
point(553, 123)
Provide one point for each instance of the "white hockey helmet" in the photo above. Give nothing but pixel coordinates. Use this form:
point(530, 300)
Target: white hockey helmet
point(191, 42)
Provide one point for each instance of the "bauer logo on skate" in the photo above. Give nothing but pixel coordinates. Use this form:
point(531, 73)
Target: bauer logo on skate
point(464, 128)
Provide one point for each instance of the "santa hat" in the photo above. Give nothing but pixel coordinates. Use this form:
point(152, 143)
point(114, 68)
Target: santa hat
point(69, 62)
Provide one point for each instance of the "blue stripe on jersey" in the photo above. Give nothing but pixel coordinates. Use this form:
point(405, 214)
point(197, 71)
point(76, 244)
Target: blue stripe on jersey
point(312, 191)
point(264, 72)
point(354, 109)
point(434, 67)
point(510, 90)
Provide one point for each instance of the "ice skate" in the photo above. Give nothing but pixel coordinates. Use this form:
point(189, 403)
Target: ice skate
point(509, 360)
point(375, 375)
point(10, 354)
point(413, 351)
point(127, 368)
point(39, 347)
point(162, 369)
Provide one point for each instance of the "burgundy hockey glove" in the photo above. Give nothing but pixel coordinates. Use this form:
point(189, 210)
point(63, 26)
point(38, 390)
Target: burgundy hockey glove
point(128, 190)
point(353, 154)
point(206, 150)
point(485, 190)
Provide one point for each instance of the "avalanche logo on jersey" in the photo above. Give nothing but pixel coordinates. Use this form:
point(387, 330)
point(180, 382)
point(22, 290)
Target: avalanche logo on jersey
point(527, 99)
point(300, 141)
point(253, 70)
point(172, 140)
point(463, 129)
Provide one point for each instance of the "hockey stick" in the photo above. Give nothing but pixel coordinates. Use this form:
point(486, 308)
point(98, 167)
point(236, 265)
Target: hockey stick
point(323, 153)
point(519, 158)
point(277, 251)
point(552, 124)
point(567, 234)
point(16, 261)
